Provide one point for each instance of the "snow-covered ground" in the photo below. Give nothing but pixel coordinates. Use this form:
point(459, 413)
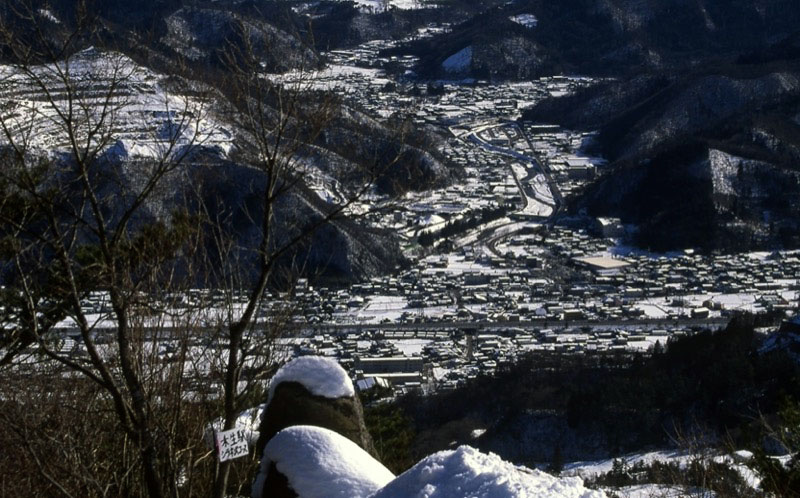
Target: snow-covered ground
point(466, 472)
point(320, 463)
point(542, 189)
point(682, 458)
point(380, 308)
point(597, 467)
point(411, 347)
point(111, 92)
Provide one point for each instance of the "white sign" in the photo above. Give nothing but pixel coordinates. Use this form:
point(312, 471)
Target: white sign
point(231, 444)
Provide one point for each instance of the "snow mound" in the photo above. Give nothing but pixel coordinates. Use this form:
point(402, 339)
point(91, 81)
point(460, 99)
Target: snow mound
point(321, 376)
point(321, 463)
point(466, 472)
point(459, 61)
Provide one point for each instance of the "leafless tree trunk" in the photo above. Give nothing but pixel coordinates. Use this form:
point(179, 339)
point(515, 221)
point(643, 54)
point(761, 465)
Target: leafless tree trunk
point(73, 224)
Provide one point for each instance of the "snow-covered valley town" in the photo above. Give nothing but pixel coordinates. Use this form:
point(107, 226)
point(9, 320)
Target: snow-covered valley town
point(496, 269)
point(394, 248)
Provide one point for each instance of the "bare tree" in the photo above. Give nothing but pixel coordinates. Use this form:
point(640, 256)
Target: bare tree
point(74, 219)
point(281, 119)
point(81, 221)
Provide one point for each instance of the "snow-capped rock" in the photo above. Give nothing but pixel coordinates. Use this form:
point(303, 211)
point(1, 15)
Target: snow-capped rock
point(316, 391)
point(321, 376)
point(318, 463)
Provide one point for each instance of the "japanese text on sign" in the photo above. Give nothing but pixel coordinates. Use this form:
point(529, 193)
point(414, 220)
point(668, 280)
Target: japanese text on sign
point(231, 444)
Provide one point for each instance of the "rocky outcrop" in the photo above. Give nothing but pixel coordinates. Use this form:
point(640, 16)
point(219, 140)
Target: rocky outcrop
point(292, 404)
point(313, 443)
point(310, 392)
point(313, 462)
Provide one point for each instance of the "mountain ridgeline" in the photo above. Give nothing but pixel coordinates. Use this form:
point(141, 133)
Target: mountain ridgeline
point(701, 95)
point(707, 158)
point(698, 117)
point(530, 38)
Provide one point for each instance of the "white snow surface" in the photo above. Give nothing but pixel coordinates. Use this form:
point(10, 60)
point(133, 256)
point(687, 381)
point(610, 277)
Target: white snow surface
point(320, 463)
point(527, 20)
point(459, 61)
point(321, 376)
point(595, 468)
point(682, 458)
point(466, 472)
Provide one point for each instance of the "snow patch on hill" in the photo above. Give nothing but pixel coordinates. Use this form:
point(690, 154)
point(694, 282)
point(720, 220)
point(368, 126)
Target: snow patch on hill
point(321, 376)
point(459, 61)
point(48, 14)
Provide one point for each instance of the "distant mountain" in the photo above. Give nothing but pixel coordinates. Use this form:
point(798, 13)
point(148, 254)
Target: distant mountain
point(184, 58)
point(606, 37)
point(707, 158)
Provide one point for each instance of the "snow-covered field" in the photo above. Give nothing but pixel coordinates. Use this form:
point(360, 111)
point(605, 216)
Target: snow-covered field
point(384, 5)
point(109, 92)
point(542, 189)
point(333, 77)
point(682, 458)
point(527, 20)
point(381, 308)
point(660, 307)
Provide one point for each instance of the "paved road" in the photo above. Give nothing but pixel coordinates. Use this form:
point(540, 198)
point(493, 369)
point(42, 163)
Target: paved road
point(443, 326)
point(654, 323)
point(510, 152)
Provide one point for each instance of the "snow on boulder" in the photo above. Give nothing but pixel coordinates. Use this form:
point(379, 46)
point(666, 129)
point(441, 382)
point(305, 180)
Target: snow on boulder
point(311, 390)
point(466, 472)
point(321, 376)
point(459, 62)
point(317, 463)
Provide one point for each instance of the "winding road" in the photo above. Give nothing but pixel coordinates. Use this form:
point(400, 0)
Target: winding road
point(490, 238)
